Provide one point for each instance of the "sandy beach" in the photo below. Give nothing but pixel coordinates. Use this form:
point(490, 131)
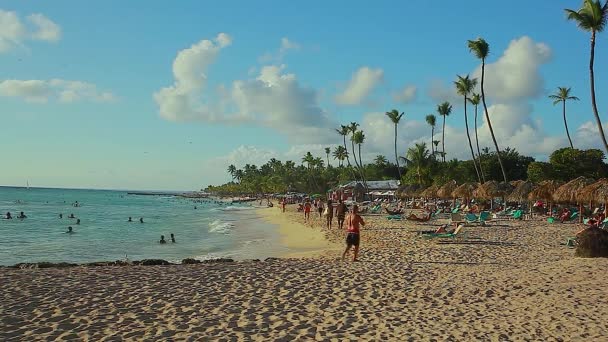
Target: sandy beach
point(508, 281)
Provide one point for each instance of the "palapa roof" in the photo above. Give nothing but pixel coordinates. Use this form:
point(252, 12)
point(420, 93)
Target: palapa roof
point(544, 190)
point(445, 191)
point(493, 189)
point(465, 190)
point(430, 192)
point(567, 192)
point(595, 192)
point(409, 190)
point(522, 191)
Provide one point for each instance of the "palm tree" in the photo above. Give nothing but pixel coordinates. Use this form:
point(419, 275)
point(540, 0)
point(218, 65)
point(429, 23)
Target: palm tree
point(380, 161)
point(395, 118)
point(359, 139)
point(418, 158)
point(353, 129)
point(481, 49)
point(465, 86)
point(343, 131)
point(475, 99)
point(592, 17)
point(310, 162)
point(340, 153)
point(444, 110)
point(562, 95)
point(232, 170)
point(431, 119)
point(327, 151)
point(238, 175)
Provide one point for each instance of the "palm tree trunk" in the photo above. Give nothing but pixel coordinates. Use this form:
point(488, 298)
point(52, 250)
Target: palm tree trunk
point(593, 104)
point(396, 159)
point(432, 137)
point(443, 140)
point(566, 123)
point(483, 177)
point(466, 124)
point(362, 173)
point(485, 107)
point(348, 160)
point(419, 175)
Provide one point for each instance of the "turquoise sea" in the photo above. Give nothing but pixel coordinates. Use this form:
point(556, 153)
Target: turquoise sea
point(212, 230)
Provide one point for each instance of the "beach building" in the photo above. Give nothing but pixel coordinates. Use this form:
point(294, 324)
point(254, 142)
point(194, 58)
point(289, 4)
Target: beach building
point(355, 190)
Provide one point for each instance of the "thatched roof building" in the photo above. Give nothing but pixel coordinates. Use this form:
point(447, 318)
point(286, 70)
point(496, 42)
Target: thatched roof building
point(544, 190)
point(522, 191)
point(465, 190)
point(445, 191)
point(493, 189)
point(567, 193)
point(430, 192)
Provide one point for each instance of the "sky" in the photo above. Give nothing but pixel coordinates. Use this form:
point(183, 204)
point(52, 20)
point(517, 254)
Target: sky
point(154, 95)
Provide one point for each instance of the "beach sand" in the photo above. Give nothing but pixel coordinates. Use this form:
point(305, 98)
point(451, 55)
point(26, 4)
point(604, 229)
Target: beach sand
point(506, 281)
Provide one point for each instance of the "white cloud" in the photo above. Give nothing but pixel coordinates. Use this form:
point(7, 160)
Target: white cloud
point(405, 95)
point(439, 92)
point(587, 136)
point(516, 74)
point(64, 91)
point(273, 99)
point(47, 30)
point(361, 84)
point(277, 57)
point(14, 32)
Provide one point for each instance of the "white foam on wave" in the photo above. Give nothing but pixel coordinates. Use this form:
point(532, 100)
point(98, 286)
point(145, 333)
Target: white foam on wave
point(221, 227)
point(236, 208)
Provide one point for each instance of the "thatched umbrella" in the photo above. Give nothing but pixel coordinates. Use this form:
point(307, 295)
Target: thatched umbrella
point(430, 192)
point(445, 191)
point(567, 192)
point(410, 190)
point(516, 183)
point(465, 190)
point(589, 193)
point(544, 191)
point(522, 191)
point(493, 189)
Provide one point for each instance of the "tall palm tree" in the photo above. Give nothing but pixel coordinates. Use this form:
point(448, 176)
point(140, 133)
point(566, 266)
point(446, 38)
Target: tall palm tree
point(475, 99)
point(395, 118)
point(418, 158)
point(353, 129)
point(562, 95)
point(359, 139)
point(592, 18)
point(444, 110)
point(309, 159)
point(480, 48)
point(327, 151)
point(465, 86)
point(343, 131)
point(340, 153)
point(431, 119)
point(232, 170)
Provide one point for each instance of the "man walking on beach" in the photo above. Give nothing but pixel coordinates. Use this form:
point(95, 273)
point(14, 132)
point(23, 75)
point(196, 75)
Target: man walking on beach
point(329, 213)
point(340, 213)
point(307, 210)
point(353, 221)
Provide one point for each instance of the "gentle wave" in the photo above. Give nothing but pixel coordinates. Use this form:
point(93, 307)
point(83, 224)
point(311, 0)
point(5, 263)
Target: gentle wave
point(236, 208)
point(219, 226)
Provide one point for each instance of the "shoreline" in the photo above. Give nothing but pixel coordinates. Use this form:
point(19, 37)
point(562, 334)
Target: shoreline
point(304, 241)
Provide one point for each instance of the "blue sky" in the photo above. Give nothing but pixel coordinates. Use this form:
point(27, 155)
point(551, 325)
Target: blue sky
point(277, 78)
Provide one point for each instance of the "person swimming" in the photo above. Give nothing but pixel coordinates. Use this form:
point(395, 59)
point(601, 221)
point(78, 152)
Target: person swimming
point(172, 238)
point(141, 220)
point(130, 219)
point(60, 216)
point(70, 231)
point(162, 240)
point(8, 215)
point(78, 221)
point(71, 216)
point(21, 215)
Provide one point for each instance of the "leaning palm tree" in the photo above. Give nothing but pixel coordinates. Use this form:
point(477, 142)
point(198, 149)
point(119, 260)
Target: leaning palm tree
point(340, 153)
point(418, 158)
point(431, 119)
point(562, 95)
point(395, 118)
point(232, 171)
point(359, 139)
point(327, 151)
point(475, 99)
point(465, 86)
point(353, 129)
point(481, 49)
point(444, 110)
point(592, 17)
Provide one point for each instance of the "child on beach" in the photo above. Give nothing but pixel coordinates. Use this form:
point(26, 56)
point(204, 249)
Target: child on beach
point(353, 221)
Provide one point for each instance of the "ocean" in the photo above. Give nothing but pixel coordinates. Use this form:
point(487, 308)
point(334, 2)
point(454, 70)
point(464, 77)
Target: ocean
point(212, 230)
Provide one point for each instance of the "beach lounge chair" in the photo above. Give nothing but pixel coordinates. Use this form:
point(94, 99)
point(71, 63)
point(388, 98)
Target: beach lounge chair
point(471, 218)
point(517, 214)
point(435, 214)
point(457, 233)
point(376, 209)
point(456, 218)
point(394, 217)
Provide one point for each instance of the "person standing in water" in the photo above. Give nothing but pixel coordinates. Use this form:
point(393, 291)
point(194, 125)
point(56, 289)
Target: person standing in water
point(130, 219)
point(21, 215)
point(353, 221)
point(162, 240)
point(141, 220)
point(60, 216)
point(172, 238)
point(70, 231)
point(8, 216)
